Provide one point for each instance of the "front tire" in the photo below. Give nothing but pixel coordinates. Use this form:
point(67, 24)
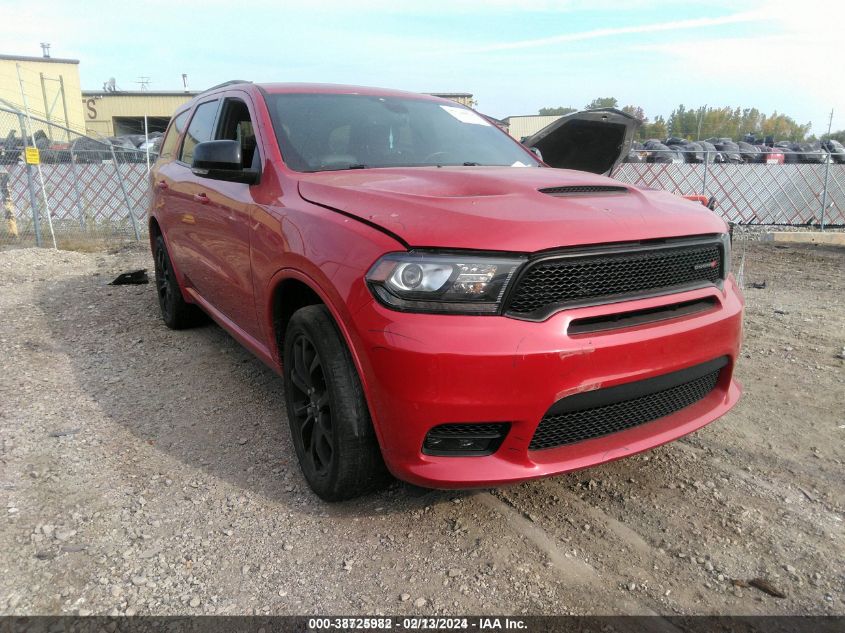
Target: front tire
point(329, 420)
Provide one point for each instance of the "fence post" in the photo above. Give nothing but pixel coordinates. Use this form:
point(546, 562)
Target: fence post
point(704, 177)
point(33, 197)
point(824, 191)
point(75, 175)
point(132, 217)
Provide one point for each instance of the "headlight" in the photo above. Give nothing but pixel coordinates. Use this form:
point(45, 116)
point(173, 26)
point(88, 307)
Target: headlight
point(432, 282)
point(726, 254)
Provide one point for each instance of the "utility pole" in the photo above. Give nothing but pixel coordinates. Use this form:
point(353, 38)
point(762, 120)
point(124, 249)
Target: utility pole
point(700, 117)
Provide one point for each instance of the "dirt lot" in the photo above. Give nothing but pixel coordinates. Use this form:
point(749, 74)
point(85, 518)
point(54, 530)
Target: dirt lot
point(150, 471)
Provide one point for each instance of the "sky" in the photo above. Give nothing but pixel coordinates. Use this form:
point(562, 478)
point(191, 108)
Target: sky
point(514, 56)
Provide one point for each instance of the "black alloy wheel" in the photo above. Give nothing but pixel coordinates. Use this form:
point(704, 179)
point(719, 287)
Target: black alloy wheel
point(164, 284)
point(329, 420)
point(312, 405)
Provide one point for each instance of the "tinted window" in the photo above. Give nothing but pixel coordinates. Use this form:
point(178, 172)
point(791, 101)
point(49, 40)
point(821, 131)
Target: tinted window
point(320, 132)
point(200, 129)
point(168, 146)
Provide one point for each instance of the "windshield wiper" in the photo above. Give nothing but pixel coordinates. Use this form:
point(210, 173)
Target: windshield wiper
point(471, 164)
point(344, 168)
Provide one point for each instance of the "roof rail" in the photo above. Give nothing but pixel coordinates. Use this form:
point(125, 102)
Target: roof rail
point(226, 83)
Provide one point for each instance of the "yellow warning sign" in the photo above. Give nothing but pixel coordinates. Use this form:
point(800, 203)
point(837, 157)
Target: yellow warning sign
point(32, 156)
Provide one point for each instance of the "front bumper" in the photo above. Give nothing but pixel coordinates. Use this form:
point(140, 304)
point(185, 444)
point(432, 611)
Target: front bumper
point(422, 370)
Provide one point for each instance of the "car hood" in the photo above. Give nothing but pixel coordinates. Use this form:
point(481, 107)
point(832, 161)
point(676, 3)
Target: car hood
point(590, 140)
point(504, 208)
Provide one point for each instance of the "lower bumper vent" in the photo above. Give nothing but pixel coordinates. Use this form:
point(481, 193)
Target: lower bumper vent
point(604, 411)
point(465, 439)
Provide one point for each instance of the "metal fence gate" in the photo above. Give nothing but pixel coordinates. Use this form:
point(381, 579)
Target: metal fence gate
point(82, 189)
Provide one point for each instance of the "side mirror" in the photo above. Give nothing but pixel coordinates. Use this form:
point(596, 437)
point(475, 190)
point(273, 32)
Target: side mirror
point(536, 151)
point(222, 160)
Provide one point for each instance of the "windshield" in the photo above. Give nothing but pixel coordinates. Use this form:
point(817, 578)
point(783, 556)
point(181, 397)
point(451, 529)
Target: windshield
point(324, 132)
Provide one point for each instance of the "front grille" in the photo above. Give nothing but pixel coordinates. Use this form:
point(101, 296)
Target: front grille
point(604, 411)
point(557, 281)
point(581, 190)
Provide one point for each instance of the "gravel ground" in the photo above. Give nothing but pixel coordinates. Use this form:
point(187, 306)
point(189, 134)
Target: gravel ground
point(753, 232)
point(149, 471)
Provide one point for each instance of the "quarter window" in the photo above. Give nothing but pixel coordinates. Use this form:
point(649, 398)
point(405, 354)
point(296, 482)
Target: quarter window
point(200, 130)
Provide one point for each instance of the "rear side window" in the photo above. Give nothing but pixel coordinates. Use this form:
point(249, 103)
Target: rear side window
point(168, 146)
point(200, 130)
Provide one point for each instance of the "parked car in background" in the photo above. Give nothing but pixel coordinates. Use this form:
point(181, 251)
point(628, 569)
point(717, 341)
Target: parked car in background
point(749, 153)
point(441, 304)
point(658, 152)
point(810, 153)
point(836, 150)
point(690, 151)
point(806, 153)
point(636, 153)
point(728, 150)
point(790, 155)
point(711, 154)
point(89, 150)
point(772, 155)
point(153, 143)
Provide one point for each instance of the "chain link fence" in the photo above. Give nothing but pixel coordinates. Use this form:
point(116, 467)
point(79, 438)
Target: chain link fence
point(87, 191)
point(81, 191)
point(809, 193)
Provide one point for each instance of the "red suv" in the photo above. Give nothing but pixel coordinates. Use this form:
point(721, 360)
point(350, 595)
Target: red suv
point(441, 303)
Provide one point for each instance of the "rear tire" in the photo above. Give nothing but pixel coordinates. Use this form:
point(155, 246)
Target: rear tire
point(329, 420)
point(175, 311)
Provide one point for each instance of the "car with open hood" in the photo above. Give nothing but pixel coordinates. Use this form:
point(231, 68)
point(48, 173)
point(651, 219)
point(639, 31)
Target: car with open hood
point(442, 304)
point(595, 141)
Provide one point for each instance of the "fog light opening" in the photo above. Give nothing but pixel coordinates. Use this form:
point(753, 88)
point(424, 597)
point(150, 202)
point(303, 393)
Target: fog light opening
point(465, 439)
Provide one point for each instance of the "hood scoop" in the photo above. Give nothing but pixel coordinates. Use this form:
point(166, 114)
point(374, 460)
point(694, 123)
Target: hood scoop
point(583, 190)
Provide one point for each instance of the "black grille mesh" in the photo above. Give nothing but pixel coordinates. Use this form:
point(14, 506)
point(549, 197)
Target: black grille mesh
point(578, 190)
point(576, 426)
point(594, 278)
point(492, 429)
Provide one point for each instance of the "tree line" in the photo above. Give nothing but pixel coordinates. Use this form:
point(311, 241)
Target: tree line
point(706, 122)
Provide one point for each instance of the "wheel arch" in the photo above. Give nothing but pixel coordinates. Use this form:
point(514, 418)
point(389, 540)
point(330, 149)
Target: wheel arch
point(154, 230)
point(289, 295)
point(287, 280)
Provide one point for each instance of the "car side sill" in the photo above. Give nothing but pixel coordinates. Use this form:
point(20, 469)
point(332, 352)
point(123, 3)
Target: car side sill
point(250, 342)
